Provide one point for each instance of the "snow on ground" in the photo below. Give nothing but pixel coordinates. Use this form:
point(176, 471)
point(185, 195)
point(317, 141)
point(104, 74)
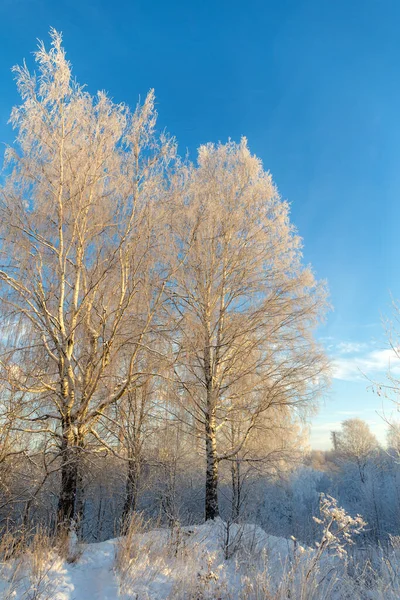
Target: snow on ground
point(161, 564)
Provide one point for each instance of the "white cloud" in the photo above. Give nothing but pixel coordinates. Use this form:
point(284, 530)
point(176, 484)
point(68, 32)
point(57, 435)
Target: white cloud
point(369, 364)
point(350, 347)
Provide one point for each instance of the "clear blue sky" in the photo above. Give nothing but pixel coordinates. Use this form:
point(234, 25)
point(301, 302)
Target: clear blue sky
point(315, 87)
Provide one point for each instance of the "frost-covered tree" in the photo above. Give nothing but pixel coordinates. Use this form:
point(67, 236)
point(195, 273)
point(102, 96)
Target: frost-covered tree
point(244, 305)
point(356, 443)
point(393, 437)
point(275, 446)
point(81, 219)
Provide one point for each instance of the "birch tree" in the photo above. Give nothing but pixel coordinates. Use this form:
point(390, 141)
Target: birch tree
point(245, 307)
point(81, 274)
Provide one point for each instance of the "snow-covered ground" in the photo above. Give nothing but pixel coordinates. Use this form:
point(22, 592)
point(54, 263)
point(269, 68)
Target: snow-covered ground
point(91, 577)
point(205, 562)
point(159, 564)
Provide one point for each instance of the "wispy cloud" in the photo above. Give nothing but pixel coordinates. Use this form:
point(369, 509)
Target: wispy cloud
point(353, 361)
point(350, 347)
point(327, 426)
point(367, 364)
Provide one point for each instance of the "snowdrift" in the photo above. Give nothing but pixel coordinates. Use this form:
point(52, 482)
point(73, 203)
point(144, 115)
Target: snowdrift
point(159, 564)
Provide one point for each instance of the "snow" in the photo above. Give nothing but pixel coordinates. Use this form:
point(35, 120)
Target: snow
point(199, 562)
point(164, 564)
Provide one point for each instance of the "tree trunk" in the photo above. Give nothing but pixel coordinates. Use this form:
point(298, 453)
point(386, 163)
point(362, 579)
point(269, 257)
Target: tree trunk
point(211, 503)
point(236, 489)
point(132, 489)
point(80, 492)
point(69, 480)
point(361, 471)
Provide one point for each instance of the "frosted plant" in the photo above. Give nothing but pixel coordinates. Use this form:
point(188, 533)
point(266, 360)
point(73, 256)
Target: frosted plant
point(338, 530)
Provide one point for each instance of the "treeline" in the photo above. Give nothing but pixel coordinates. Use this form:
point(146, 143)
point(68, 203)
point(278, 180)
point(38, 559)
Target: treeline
point(360, 473)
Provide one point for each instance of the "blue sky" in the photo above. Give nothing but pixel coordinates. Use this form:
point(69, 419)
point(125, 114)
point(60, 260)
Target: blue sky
point(314, 86)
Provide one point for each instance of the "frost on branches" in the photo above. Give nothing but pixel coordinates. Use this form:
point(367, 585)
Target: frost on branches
point(338, 526)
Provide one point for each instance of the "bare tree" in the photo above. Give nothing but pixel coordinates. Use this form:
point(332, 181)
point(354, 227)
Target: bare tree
point(393, 437)
point(356, 443)
point(81, 273)
point(389, 388)
point(14, 446)
point(244, 305)
point(136, 425)
point(275, 445)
